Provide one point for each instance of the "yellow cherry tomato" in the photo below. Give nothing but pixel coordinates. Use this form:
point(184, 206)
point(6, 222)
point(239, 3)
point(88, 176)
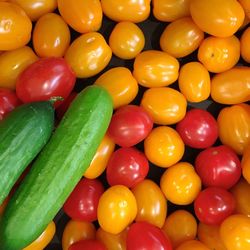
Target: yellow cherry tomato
point(221, 18)
point(126, 10)
point(192, 245)
point(51, 36)
point(180, 183)
point(180, 226)
point(88, 54)
point(219, 54)
point(151, 203)
point(120, 84)
point(194, 82)
point(101, 158)
point(15, 26)
point(75, 231)
point(126, 40)
point(44, 239)
point(36, 8)
point(245, 163)
point(83, 16)
point(244, 43)
point(154, 68)
point(116, 209)
point(164, 146)
point(234, 127)
point(170, 10)
point(12, 63)
point(246, 6)
point(181, 37)
point(165, 105)
point(235, 232)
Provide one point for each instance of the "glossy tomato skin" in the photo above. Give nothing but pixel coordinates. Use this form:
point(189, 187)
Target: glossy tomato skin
point(45, 78)
point(223, 169)
point(244, 48)
point(198, 129)
point(245, 163)
point(192, 245)
point(88, 244)
point(130, 125)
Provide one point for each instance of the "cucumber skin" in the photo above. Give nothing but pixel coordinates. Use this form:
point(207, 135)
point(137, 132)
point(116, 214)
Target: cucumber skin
point(23, 133)
point(57, 170)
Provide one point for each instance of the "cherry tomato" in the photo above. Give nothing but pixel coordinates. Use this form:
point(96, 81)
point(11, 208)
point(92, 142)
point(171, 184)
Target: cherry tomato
point(143, 235)
point(194, 82)
point(163, 146)
point(180, 183)
point(245, 163)
point(15, 27)
point(12, 63)
point(120, 84)
point(180, 226)
point(192, 245)
point(219, 54)
point(151, 203)
point(246, 6)
point(165, 105)
point(44, 79)
point(244, 48)
point(234, 127)
point(51, 36)
point(221, 18)
point(130, 125)
point(88, 54)
point(44, 239)
point(126, 40)
point(198, 129)
point(223, 169)
point(76, 231)
point(88, 244)
point(154, 68)
point(116, 209)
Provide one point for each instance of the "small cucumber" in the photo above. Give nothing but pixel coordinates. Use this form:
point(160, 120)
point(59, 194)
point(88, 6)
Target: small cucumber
point(23, 133)
point(57, 170)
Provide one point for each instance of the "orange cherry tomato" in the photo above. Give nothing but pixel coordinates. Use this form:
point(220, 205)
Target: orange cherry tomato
point(180, 226)
point(117, 209)
point(15, 26)
point(120, 84)
point(126, 40)
point(181, 37)
point(151, 203)
point(12, 63)
point(165, 105)
point(192, 245)
point(36, 8)
point(3, 205)
point(88, 54)
point(234, 127)
point(44, 239)
point(245, 163)
point(75, 231)
point(51, 36)
point(244, 43)
point(180, 183)
point(221, 18)
point(170, 10)
point(194, 82)
point(126, 10)
point(83, 16)
point(219, 54)
point(235, 232)
point(246, 6)
point(154, 68)
point(101, 158)
point(232, 86)
point(164, 146)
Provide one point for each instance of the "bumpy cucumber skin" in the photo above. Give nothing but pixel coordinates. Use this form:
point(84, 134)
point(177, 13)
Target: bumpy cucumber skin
point(23, 133)
point(57, 169)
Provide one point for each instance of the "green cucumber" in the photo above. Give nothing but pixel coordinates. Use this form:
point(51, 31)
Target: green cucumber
point(23, 133)
point(57, 170)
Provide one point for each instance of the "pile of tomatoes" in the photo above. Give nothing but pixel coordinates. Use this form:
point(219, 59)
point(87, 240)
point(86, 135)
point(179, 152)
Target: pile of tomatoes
point(173, 170)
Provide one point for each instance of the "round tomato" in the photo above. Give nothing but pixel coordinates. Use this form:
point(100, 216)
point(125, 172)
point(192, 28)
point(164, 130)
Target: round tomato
point(245, 163)
point(244, 48)
point(88, 244)
point(246, 6)
point(192, 245)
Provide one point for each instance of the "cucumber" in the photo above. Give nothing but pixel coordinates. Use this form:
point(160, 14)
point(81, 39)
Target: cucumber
point(23, 133)
point(57, 169)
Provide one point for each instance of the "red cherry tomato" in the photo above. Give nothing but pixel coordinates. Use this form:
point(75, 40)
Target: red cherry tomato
point(127, 166)
point(45, 78)
point(218, 166)
point(88, 245)
point(142, 235)
point(130, 125)
point(198, 129)
point(83, 201)
point(213, 205)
